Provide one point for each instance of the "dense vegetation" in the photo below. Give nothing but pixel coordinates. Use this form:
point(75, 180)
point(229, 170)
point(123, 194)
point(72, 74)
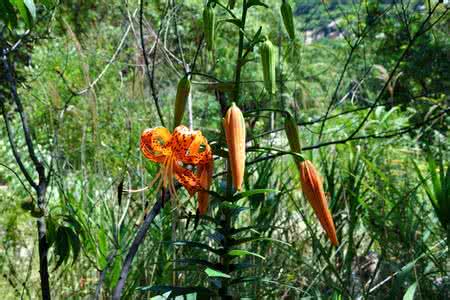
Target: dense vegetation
point(366, 83)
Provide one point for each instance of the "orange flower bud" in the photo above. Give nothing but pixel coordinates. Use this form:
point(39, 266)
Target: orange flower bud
point(313, 190)
point(234, 125)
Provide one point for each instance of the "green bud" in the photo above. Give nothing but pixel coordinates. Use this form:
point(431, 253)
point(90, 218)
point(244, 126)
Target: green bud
point(183, 90)
point(288, 19)
point(268, 64)
point(27, 205)
point(209, 26)
point(291, 128)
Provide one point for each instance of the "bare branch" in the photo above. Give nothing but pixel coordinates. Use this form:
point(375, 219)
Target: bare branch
point(139, 238)
point(150, 75)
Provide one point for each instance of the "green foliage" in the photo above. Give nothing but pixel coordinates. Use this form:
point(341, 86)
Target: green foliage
point(88, 98)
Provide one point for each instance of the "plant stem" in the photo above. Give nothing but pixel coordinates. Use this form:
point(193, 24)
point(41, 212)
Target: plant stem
point(448, 237)
point(226, 231)
point(225, 259)
point(239, 61)
point(139, 238)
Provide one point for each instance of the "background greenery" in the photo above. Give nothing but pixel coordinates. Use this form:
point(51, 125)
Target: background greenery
point(382, 186)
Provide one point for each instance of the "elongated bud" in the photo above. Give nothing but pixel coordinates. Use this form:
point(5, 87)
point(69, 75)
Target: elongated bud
point(268, 64)
point(28, 205)
point(205, 173)
point(288, 19)
point(313, 190)
point(234, 126)
point(183, 90)
point(209, 26)
point(291, 129)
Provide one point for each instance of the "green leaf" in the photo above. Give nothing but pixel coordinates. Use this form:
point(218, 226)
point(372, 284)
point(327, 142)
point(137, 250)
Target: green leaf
point(251, 193)
point(409, 295)
point(196, 245)
point(102, 248)
point(236, 22)
point(214, 273)
point(232, 208)
point(31, 8)
point(238, 252)
point(407, 268)
point(202, 292)
point(115, 271)
point(48, 3)
point(23, 11)
point(192, 296)
point(62, 246)
point(256, 37)
point(51, 230)
point(256, 3)
point(75, 243)
point(193, 261)
point(164, 296)
point(246, 279)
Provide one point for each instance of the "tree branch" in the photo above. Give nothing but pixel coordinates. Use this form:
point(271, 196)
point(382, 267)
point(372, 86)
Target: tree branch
point(150, 75)
point(139, 238)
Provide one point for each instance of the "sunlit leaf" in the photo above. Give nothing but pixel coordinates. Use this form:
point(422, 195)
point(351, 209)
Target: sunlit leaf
point(214, 273)
point(240, 253)
point(409, 295)
point(31, 7)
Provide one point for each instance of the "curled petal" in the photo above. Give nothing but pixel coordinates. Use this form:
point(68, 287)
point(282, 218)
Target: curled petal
point(195, 155)
point(205, 173)
point(182, 138)
point(155, 143)
point(186, 145)
point(188, 179)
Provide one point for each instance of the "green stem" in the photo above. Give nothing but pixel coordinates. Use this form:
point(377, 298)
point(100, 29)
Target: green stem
point(239, 61)
point(448, 237)
point(226, 231)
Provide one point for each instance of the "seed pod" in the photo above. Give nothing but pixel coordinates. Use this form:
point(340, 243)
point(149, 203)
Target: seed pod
point(268, 64)
point(313, 190)
point(209, 26)
point(231, 4)
point(291, 129)
point(234, 126)
point(183, 89)
point(288, 19)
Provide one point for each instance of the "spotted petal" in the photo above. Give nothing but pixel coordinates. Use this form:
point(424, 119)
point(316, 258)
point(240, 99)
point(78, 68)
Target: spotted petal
point(155, 143)
point(188, 179)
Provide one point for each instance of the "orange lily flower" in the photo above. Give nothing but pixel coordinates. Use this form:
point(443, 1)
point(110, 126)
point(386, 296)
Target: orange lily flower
point(205, 173)
point(174, 152)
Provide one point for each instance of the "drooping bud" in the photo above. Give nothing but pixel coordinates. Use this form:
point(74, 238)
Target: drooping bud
point(183, 90)
point(268, 63)
point(313, 190)
point(234, 126)
point(288, 19)
point(28, 204)
point(291, 129)
point(209, 26)
point(205, 173)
